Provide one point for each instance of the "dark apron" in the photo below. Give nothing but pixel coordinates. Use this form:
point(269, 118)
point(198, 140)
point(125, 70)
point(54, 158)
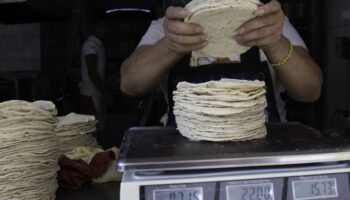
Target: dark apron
point(250, 68)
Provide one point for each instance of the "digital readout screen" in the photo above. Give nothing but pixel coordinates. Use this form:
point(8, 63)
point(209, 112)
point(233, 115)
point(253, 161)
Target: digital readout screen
point(263, 191)
point(315, 189)
point(178, 194)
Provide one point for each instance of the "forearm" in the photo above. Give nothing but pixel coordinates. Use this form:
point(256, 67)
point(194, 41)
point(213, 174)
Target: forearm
point(144, 70)
point(300, 75)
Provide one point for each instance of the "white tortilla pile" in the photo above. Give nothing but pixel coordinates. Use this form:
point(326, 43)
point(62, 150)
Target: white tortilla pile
point(29, 150)
point(220, 20)
point(225, 110)
point(75, 130)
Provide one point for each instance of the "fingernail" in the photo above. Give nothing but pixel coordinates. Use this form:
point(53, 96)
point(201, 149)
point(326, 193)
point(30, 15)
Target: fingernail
point(260, 11)
point(183, 12)
point(204, 37)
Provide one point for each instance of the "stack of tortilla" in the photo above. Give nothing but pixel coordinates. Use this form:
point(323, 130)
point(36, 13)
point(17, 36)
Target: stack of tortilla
point(220, 20)
point(29, 150)
point(75, 130)
point(225, 110)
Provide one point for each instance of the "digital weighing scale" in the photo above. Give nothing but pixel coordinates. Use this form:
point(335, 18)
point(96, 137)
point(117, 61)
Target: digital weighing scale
point(294, 162)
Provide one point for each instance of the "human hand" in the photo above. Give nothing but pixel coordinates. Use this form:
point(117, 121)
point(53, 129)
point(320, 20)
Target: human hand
point(182, 37)
point(265, 30)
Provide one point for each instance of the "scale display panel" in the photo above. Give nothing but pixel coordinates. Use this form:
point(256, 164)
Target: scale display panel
point(200, 191)
point(323, 187)
point(335, 187)
point(195, 193)
point(264, 189)
point(319, 188)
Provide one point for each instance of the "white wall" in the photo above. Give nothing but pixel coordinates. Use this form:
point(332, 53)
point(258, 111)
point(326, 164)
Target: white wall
point(20, 47)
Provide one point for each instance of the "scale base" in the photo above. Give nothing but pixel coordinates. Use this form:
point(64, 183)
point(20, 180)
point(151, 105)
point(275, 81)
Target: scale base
point(134, 184)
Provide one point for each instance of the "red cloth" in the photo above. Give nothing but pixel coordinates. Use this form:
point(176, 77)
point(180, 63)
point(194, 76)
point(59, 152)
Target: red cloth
point(76, 173)
point(100, 163)
point(73, 173)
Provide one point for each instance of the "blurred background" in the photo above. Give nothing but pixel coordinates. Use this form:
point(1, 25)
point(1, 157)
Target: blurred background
point(41, 41)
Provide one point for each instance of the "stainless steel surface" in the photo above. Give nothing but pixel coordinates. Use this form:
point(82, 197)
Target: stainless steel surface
point(236, 162)
point(140, 176)
point(164, 149)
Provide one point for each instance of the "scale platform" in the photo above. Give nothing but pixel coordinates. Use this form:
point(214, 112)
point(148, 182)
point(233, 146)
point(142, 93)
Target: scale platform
point(294, 162)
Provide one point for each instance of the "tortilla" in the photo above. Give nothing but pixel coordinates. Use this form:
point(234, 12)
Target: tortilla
point(46, 105)
point(225, 110)
point(29, 150)
point(220, 97)
point(73, 119)
point(225, 84)
point(75, 130)
point(220, 21)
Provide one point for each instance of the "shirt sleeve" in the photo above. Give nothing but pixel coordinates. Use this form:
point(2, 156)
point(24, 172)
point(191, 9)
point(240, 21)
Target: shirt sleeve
point(89, 49)
point(290, 33)
point(154, 33)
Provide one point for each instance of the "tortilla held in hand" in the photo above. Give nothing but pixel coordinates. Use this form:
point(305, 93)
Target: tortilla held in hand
point(220, 20)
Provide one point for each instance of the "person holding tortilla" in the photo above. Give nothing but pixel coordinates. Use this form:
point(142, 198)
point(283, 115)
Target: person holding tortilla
point(278, 56)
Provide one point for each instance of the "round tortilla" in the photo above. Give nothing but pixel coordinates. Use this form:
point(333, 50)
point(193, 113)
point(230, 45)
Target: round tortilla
point(225, 110)
point(220, 21)
point(29, 150)
point(225, 84)
point(75, 130)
